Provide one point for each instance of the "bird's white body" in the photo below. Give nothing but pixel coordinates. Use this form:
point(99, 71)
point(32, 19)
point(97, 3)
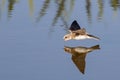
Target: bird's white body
point(81, 37)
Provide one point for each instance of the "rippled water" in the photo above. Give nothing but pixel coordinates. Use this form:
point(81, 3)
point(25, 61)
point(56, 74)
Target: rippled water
point(32, 45)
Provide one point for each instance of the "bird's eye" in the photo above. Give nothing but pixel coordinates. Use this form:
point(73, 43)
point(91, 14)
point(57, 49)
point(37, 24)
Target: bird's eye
point(65, 37)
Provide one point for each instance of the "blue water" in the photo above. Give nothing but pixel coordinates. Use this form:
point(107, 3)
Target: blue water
point(32, 45)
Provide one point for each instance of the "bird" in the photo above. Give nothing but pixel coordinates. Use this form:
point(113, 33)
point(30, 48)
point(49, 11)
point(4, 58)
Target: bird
point(78, 33)
point(79, 54)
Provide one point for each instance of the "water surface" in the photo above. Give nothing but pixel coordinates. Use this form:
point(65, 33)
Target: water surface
point(32, 45)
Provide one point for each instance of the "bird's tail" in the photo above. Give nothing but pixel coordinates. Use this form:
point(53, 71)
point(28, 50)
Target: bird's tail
point(95, 47)
point(93, 37)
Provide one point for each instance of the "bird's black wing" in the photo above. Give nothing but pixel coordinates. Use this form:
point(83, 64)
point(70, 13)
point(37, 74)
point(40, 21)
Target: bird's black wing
point(74, 26)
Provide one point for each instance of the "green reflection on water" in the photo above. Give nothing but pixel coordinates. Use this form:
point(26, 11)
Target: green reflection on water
point(44, 9)
point(88, 9)
point(115, 4)
point(2, 3)
point(63, 9)
point(60, 9)
point(10, 7)
point(100, 6)
point(31, 7)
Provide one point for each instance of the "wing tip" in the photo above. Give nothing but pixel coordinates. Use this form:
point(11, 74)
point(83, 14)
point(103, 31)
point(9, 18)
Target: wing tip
point(74, 26)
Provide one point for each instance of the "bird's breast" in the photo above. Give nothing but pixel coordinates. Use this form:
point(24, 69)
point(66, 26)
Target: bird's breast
point(80, 37)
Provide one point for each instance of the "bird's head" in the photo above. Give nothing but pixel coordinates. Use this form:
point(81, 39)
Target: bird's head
point(67, 37)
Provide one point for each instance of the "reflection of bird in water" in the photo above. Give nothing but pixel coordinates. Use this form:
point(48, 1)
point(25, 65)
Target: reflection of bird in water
point(77, 33)
point(79, 54)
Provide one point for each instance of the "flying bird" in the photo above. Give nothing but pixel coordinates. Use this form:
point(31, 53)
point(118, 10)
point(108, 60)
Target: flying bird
point(78, 33)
